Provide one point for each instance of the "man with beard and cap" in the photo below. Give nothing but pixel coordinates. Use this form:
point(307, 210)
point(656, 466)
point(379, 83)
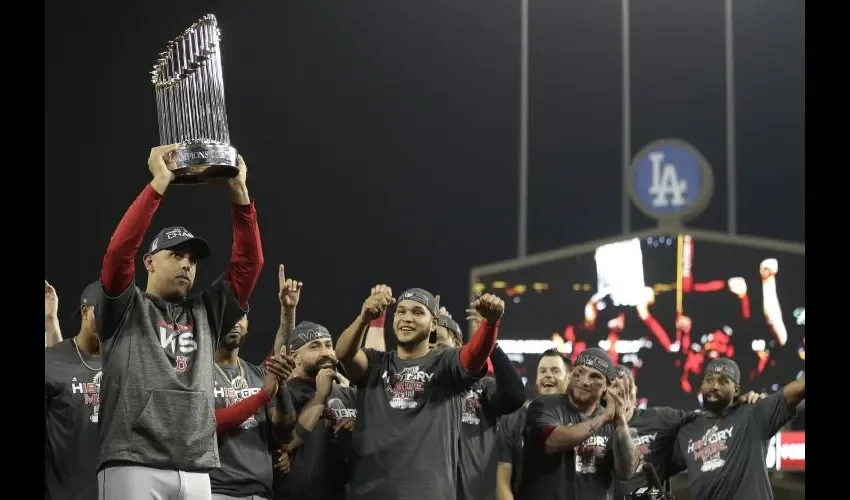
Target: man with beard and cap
point(157, 423)
point(573, 445)
point(243, 424)
point(72, 373)
point(323, 413)
point(724, 447)
point(408, 430)
point(553, 375)
point(483, 405)
point(656, 429)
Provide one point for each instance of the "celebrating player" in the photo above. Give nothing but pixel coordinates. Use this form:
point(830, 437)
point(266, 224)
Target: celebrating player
point(323, 412)
point(72, 373)
point(484, 403)
point(157, 426)
point(553, 375)
point(723, 448)
point(408, 427)
point(574, 446)
point(242, 392)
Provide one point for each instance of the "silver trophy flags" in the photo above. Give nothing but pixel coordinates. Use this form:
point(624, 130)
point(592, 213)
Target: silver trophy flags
point(189, 89)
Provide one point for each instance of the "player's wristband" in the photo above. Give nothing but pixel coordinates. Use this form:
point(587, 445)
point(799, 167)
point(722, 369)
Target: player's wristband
point(378, 322)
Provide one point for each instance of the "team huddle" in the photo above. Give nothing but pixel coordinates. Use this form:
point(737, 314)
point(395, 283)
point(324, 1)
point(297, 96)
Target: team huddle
point(151, 400)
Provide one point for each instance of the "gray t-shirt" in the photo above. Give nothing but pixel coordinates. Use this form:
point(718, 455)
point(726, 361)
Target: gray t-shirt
point(725, 456)
point(656, 430)
point(478, 440)
point(319, 469)
point(511, 429)
point(71, 405)
point(157, 388)
point(407, 435)
point(583, 473)
point(245, 452)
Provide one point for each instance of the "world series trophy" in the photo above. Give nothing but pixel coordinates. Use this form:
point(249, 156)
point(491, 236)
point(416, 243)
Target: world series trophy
point(189, 87)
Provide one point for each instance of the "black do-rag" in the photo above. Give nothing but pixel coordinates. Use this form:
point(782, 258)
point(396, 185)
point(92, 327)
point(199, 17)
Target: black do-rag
point(724, 366)
point(306, 332)
point(598, 359)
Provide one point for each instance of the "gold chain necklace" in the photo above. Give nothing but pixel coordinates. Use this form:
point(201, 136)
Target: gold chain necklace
point(80, 354)
point(243, 383)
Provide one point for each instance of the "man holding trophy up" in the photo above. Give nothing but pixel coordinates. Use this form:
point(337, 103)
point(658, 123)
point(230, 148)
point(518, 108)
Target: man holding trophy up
point(157, 425)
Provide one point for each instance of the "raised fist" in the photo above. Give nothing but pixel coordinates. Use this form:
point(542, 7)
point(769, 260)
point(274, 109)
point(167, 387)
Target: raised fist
point(377, 303)
point(490, 307)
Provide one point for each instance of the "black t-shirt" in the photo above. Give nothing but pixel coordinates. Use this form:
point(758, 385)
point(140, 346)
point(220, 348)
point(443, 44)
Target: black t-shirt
point(656, 430)
point(725, 456)
point(319, 470)
point(71, 405)
point(478, 442)
point(245, 452)
point(584, 473)
point(407, 438)
point(510, 444)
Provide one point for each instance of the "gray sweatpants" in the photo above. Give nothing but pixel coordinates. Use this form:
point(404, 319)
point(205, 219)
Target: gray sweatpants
point(132, 482)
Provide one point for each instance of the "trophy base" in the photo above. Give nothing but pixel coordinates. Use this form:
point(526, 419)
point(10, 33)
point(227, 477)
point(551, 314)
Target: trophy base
point(201, 160)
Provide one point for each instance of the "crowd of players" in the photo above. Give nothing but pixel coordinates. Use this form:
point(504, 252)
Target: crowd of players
point(151, 400)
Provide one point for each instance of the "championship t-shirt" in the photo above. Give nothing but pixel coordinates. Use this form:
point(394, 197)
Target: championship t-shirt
point(583, 473)
point(478, 442)
point(511, 429)
point(725, 456)
point(158, 359)
point(656, 430)
point(245, 452)
point(320, 467)
point(71, 405)
point(407, 436)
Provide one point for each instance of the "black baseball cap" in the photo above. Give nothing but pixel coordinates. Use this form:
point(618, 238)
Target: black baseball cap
point(452, 326)
point(171, 237)
point(89, 296)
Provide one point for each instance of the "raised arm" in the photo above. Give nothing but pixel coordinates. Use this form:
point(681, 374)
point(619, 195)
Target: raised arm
point(348, 350)
point(52, 330)
point(246, 255)
point(375, 334)
point(626, 457)
point(119, 269)
point(474, 354)
point(795, 392)
point(289, 292)
point(119, 262)
point(510, 393)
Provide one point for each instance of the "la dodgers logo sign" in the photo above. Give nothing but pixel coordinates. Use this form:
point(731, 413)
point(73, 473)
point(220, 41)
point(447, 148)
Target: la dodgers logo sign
point(670, 181)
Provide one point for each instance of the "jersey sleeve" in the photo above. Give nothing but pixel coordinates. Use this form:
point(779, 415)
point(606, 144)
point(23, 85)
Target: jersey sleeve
point(771, 413)
point(223, 310)
point(111, 312)
point(448, 367)
point(541, 418)
point(376, 362)
point(507, 437)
